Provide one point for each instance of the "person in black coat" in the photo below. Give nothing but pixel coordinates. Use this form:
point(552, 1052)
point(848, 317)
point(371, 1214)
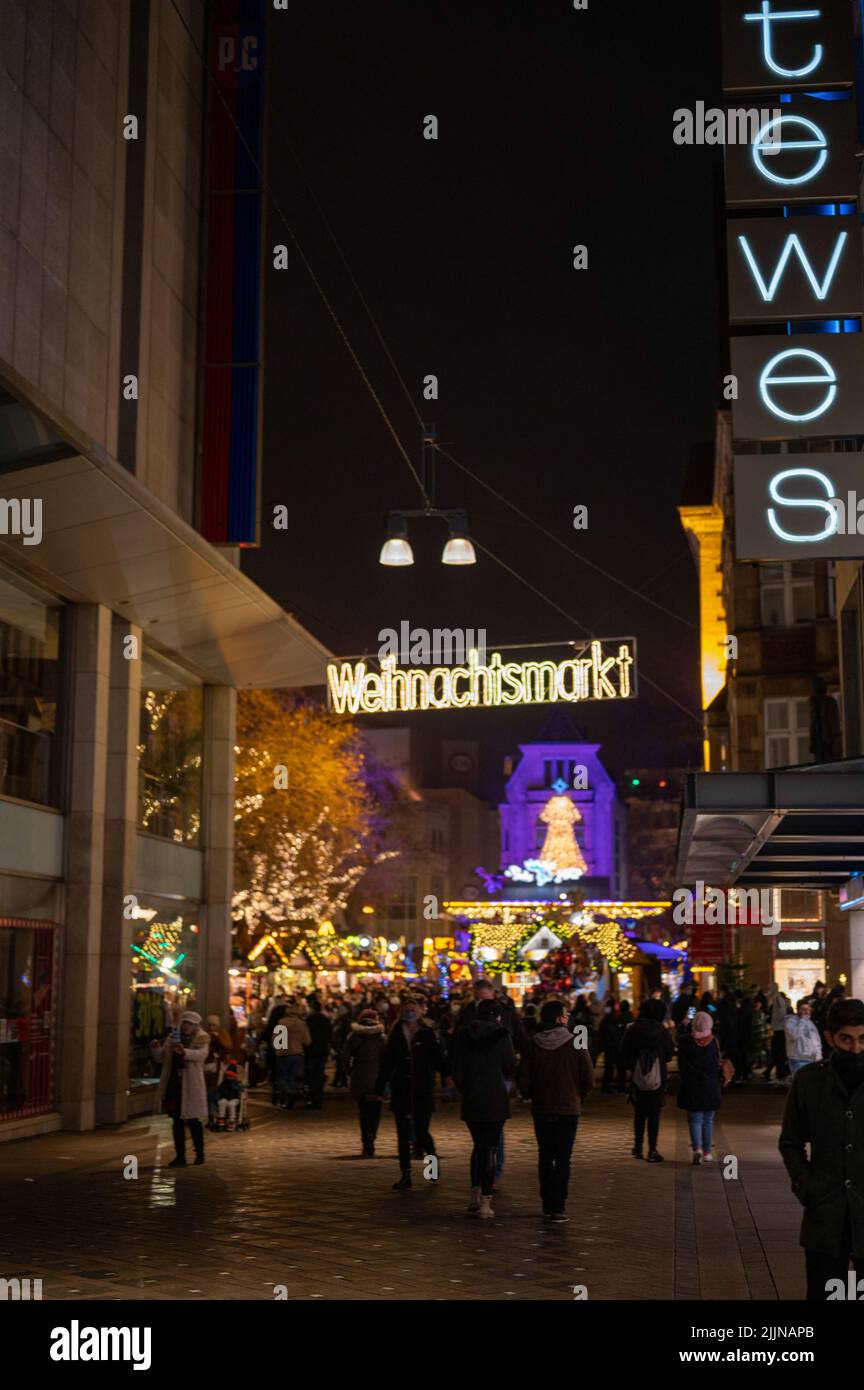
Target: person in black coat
point(361, 1059)
point(822, 1145)
point(317, 1052)
point(645, 1043)
point(609, 1036)
point(274, 1017)
point(743, 1055)
point(686, 1000)
point(411, 1059)
point(484, 1062)
point(700, 1091)
point(727, 1025)
point(485, 990)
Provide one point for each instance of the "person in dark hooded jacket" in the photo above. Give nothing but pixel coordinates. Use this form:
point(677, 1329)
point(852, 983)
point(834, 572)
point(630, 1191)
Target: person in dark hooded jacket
point(822, 1145)
point(484, 1062)
point(557, 1075)
point(361, 1061)
point(410, 1060)
point(645, 1043)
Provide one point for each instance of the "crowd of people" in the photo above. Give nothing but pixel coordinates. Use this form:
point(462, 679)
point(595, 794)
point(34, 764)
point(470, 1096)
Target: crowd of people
point(402, 1048)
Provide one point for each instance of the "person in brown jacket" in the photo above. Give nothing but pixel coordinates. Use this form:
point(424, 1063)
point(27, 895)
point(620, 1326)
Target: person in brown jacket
point(290, 1039)
point(556, 1076)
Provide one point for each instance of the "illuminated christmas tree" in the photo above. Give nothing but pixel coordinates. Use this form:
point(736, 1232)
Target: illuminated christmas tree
point(560, 848)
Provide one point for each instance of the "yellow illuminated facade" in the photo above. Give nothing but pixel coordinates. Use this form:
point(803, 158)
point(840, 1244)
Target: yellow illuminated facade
point(704, 527)
point(599, 676)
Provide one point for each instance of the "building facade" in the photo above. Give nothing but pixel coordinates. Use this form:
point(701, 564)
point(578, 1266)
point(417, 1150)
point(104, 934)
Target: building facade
point(651, 797)
point(448, 832)
point(123, 634)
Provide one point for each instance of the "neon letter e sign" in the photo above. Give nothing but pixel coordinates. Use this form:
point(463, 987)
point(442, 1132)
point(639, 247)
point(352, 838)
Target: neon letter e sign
point(767, 379)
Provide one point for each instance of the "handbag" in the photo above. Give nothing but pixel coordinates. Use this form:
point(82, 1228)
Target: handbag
point(727, 1069)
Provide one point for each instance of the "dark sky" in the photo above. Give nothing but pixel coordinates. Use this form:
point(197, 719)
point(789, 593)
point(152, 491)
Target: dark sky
point(558, 386)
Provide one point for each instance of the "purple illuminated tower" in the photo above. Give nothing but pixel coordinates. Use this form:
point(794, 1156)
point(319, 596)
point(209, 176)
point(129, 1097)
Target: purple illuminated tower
point(572, 769)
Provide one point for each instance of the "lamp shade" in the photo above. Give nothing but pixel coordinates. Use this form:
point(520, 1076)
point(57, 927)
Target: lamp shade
point(459, 550)
point(396, 550)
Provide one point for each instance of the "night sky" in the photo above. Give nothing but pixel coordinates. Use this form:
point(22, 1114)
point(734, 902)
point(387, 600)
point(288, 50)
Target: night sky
point(558, 386)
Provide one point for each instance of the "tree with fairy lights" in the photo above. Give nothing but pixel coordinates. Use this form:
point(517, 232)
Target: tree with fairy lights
point(312, 813)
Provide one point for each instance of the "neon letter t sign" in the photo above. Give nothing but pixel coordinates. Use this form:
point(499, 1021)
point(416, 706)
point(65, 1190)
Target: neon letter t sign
point(766, 18)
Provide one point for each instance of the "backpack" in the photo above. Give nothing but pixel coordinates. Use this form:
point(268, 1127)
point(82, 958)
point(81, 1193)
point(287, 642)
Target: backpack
point(646, 1073)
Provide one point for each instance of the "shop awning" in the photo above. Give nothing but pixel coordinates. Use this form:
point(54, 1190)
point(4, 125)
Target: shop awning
point(107, 539)
point(651, 948)
point(801, 828)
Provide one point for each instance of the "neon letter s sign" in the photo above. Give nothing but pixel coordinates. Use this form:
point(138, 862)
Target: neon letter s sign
point(776, 496)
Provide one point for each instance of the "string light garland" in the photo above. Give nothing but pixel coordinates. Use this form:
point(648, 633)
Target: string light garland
point(500, 930)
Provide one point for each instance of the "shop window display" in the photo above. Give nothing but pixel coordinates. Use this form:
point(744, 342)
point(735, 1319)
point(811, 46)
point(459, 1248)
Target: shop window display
point(170, 749)
point(164, 976)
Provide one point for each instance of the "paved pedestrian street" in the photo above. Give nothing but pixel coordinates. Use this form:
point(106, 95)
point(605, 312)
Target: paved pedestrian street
point(289, 1203)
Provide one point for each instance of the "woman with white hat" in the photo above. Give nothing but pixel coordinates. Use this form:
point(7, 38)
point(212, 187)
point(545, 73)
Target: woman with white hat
point(182, 1092)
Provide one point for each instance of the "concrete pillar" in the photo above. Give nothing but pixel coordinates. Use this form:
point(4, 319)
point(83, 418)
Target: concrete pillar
point(855, 987)
point(220, 720)
point(121, 829)
point(89, 646)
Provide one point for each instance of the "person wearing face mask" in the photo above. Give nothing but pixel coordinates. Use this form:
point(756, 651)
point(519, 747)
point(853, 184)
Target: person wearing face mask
point(825, 1110)
point(411, 1059)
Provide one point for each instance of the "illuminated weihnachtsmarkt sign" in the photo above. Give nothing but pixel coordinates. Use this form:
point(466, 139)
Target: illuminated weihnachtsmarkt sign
point(605, 671)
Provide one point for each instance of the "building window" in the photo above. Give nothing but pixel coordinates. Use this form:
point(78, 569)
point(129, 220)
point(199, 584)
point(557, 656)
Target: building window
point(798, 905)
point(27, 1013)
point(558, 770)
point(788, 593)
point(170, 752)
point(29, 685)
point(787, 732)
point(437, 840)
point(403, 908)
point(436, 888)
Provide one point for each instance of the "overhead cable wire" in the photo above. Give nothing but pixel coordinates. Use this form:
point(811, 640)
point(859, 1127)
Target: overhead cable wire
point(691, 714)
point(382, 411)
point(636, 593)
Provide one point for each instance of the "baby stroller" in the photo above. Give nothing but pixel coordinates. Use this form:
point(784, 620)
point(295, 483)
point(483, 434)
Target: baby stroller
point(233, 1092)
